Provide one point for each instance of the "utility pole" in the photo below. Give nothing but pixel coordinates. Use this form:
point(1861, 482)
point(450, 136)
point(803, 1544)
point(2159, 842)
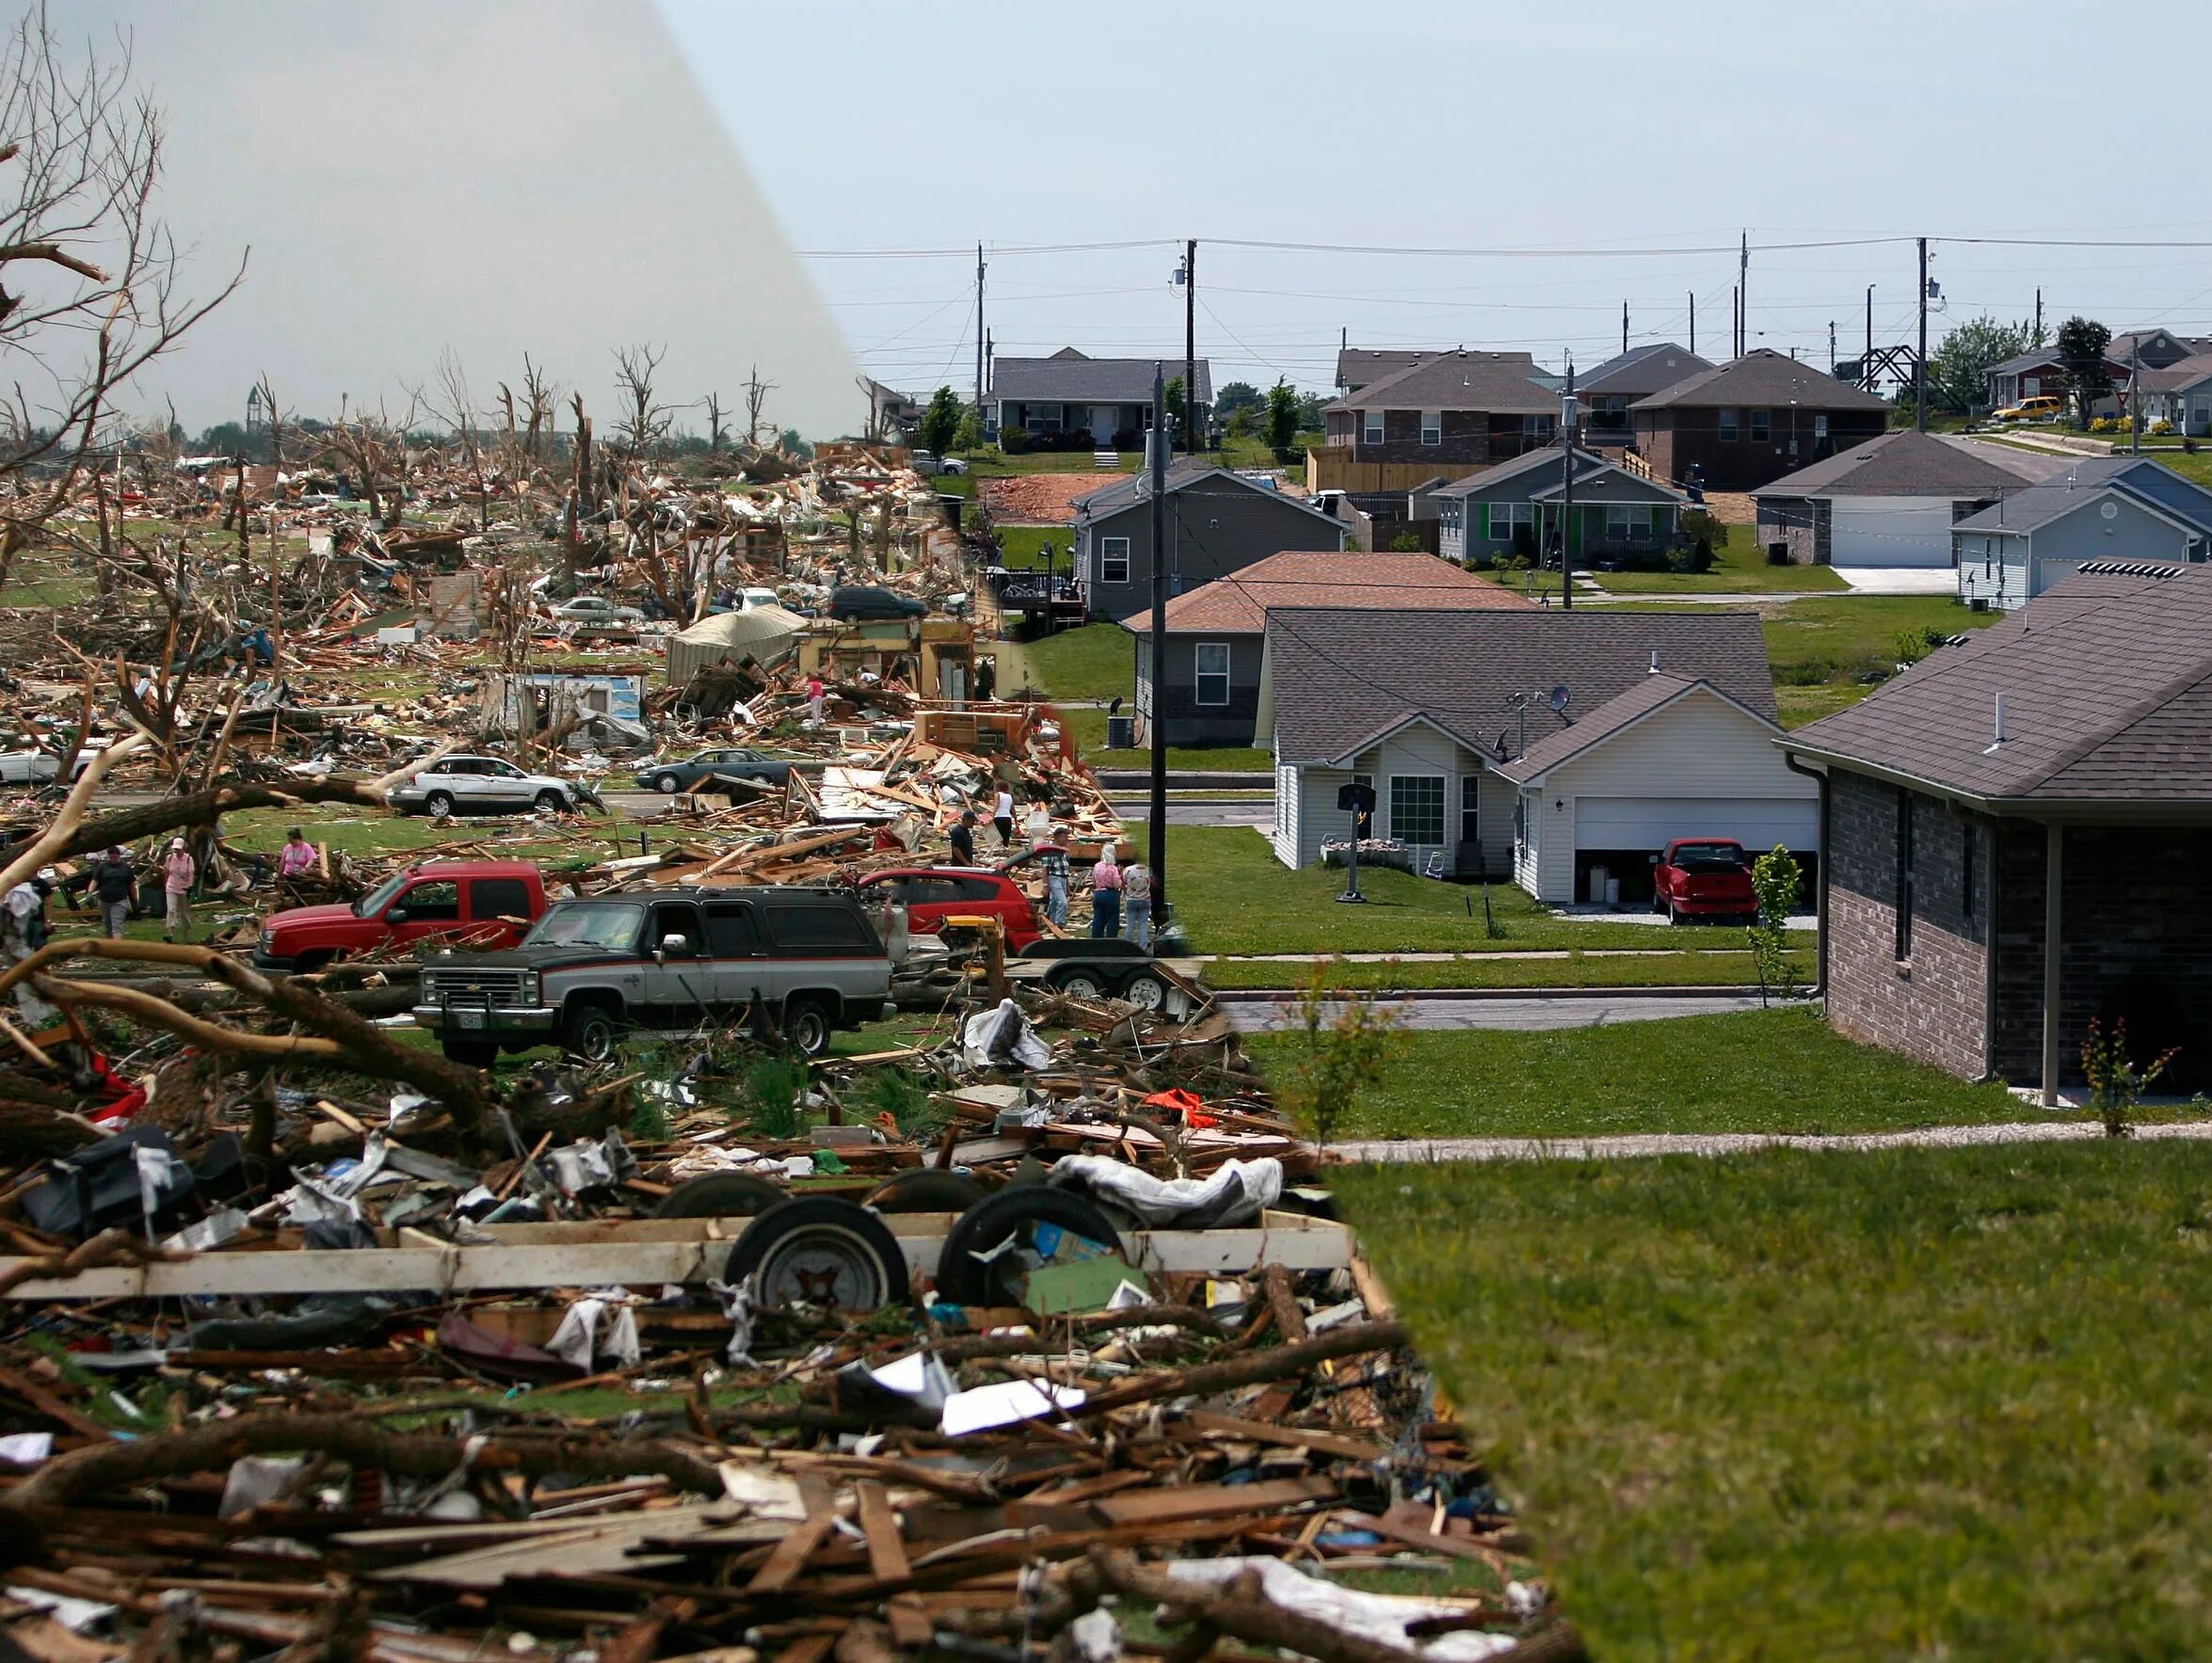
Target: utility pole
point(1566, 495)
point(979, 333)
point(1693, 320)
point(2135, 397)
point(1920, 364)
point(1866, 369)
point(1157, 463)
point(1735, 323)
point(1623, 328)
point(1743, 288)
point(1190, 347)
point(1831, 346)
point(2038, 314)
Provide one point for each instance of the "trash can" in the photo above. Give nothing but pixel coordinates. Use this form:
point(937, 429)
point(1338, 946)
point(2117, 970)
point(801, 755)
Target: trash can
point(1121, 733)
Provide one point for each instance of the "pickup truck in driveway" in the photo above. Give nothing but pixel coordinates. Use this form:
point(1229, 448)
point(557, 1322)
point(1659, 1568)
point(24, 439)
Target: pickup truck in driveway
point(669, 958)
point(486, 903)
point(1701, 878)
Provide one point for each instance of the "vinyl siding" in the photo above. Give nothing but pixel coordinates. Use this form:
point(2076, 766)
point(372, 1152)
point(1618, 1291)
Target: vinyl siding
point(1309, 794)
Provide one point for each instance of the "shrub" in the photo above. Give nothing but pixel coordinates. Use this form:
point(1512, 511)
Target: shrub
point(1014, 442)
point(1693, 557)
point(2161, 426)
point(2188, 445)
point(1476, 563)
point(2116, 1084)
point(896, 1095)
point(1406, 542)
point(773, 1097)
point(2103, 425)
point(1777, 882)
point(1349, 1040)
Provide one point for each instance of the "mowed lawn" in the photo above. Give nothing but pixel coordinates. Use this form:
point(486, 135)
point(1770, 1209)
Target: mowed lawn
point(1739, 567)
point(1914, 1405)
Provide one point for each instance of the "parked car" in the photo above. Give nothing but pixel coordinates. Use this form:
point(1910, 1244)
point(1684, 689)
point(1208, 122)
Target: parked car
point(2044, 408)
point(483, 904)
point(935, 893)
point(867, 601)
point(738, 762)
point(488, 785)
point(953, 465)
point(39, 767)
point(674, 959)
point(1702, 878)
point(596, 609)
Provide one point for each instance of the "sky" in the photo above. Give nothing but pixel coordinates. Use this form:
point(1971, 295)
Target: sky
point(803, 186)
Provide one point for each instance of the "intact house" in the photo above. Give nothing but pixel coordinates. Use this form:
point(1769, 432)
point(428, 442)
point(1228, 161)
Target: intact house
point(1891, 501)
point(2181, 395)
point(1449, 413)
point(1073, 401)
point(2098, 509)
point(1607, 391)
point(1359, 366)
point(2040, 372)
point(1516, 508)
point(1748, 422)
point(1470, 727)
point(1216, 633)
point(2017, 830)
point(1217, 523)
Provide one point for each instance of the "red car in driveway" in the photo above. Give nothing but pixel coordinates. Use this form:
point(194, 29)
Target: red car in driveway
point(1702, 878)
point(935, 893)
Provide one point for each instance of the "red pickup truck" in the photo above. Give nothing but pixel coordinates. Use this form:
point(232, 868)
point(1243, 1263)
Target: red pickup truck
point(1702, 878)
point(475, 904)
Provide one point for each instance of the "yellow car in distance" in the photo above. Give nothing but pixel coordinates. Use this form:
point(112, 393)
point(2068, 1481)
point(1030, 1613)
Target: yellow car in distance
point(2033, 410)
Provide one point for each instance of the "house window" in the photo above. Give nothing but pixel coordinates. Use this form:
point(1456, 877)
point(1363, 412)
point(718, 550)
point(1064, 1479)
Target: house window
point(1621, 522)
point(1505, 516)
point(1820, 429)
point(1214, 672)
point(1416, 808)
point(1044, 418)
point(1762, 427)
point(1432, 427)
point(1113, 560)
point(1537, 428)
point(1470, 794)
point(1728, 426)
point(1373, 428)
point(1905, 876)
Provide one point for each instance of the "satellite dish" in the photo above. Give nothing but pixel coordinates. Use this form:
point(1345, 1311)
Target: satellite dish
point(1558, 698)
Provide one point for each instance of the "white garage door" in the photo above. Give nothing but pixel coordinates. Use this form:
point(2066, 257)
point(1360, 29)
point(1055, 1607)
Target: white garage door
point(1652, 823)
point(1889, 531)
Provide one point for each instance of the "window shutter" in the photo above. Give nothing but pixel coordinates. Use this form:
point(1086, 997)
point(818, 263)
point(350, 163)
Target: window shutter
point(1659, 519)
point(1482, 520)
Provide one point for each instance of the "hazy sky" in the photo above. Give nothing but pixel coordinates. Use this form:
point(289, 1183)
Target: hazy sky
point(562, 176)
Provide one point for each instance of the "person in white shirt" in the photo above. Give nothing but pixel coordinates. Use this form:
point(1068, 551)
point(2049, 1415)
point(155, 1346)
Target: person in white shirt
point(1002, 817)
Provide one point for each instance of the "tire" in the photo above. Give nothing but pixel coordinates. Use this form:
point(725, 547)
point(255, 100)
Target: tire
point(1145, 991)
point(721, 1196)
point(808, 1026)
point(668, 784)
point(307, 964)
point(469, 1053)
point(552, 802)
point(1079, 982)
point(592, 1031)
point(823, 1250)
point(965, 1280)
point(438, 804)
point(927, 1189)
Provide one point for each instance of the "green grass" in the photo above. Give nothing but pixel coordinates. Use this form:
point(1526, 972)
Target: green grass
point(1578, 969)
point(1089, 727)
point(993, 465)
point(1736, 1071)
point(363, 831)
point(1021, 547)
point(1233, 896)
point(1098, 661)
point(1739, 567)
point(1909, 1404)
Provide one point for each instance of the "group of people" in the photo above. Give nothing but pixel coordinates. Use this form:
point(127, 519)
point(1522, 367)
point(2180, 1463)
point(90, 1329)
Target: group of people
point(1121, 896)
point(1121, 899)
point(113, 879)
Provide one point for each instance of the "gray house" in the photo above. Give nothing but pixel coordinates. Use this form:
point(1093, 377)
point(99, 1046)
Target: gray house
point(1515, 507)
point(1072, 398)
point(2101, 509)
point(1891, 501)
point(2181, 395)
point(1217, 523)
point(1609, 389)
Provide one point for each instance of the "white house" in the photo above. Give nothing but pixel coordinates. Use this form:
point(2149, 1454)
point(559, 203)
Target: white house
point(1891, 501)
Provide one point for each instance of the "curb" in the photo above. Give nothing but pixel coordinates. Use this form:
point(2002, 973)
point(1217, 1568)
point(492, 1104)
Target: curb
point(1256, 995)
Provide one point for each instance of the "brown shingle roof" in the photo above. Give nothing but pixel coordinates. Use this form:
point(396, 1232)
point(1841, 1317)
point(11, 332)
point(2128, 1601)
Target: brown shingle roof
point(1903, 464)
point(1502, 383)
point(2108, 688)
point(1237, 604)
point(1764, 377)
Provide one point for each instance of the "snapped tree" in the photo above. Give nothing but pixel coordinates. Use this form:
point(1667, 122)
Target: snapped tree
point(2082, 345)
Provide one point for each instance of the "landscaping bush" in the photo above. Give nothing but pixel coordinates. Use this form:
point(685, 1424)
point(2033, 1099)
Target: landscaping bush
point(2188, 445)
point(1477, 563)
point(2103, 424)
point(1014, 442)
point(1693, 558)
point(2161, 426)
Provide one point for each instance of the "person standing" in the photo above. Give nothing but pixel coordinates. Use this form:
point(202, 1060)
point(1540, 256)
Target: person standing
point(179, 871)
point(22, 932)
point(1002, 817)
point(115, 881)
point(1105, 896)
point(1055, 863)
point(817, 699)
point(963, 837)
point(298, 857)
point(1136, 904)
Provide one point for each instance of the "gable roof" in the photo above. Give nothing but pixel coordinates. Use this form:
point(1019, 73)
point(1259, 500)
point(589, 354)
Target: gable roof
point(1903, 464)
point(1763, 377)
point(1338, 678)
point(2179, 376)
point(1502, 383)
point(1359, 366)
point(1655, 693)
point(1641, 371)
point(2082, 483)
point(1183, 473)
point(1545, 465)
point(1237, 604)
point(2107, 692)
point(1069, 376)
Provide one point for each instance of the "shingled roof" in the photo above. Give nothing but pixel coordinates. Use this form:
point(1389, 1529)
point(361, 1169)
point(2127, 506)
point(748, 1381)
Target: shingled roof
point(2108, 688)
point(1502, 383)
point(1069, 376)
point(1905, 464)
point(2141, 480)
point(1237, 604)
point(1763, 377)
point(1643, 370)
point(1339, 679)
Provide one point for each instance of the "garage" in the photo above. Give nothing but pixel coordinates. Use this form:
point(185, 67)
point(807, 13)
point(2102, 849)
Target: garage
point(1889, 531)
point(1618, 835)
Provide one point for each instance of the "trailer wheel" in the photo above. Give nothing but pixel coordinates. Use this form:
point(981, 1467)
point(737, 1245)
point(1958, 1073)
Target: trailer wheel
point(1080, 982)
point(824, 1251)
point(967, 1280)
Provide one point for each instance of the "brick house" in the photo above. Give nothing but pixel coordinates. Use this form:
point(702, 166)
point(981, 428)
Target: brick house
point(1451, 413)
point(1614, 385)
point(2049, 780)
point(1751, 421)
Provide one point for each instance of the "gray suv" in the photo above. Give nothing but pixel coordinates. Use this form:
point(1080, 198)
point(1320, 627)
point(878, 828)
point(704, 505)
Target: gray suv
point(671, 958)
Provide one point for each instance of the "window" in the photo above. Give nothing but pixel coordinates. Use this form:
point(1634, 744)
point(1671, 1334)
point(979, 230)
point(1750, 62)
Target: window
point(678, 918)
point(1820, 429)
point(730, 930)
point(1621, 520)
point(589, 923)
point(437, 902)
point(1416, 808)
point(1905, 876)
point(1762, 427)
point(1372, 427)
point(1728, 426)
point(1113, 560)
point(1538, 429)
point(1432, 427)
point(820, 925)
point(1505, 516)
point(1214, 672)
point(1471, 792)
point(1044, 418)
point(498, 898)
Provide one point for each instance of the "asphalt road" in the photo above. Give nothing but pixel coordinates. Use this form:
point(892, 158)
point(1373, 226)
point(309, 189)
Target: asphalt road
point(1581, 1010)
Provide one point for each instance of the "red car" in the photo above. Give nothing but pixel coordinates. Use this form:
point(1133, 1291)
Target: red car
point(1702, 878)
point(477, 903)
point(935, 893)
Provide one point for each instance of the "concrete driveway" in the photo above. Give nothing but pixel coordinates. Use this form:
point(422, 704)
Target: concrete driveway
point(1899, 579)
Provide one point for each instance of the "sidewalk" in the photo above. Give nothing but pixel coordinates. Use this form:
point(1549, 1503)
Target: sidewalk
point(1644, 1145)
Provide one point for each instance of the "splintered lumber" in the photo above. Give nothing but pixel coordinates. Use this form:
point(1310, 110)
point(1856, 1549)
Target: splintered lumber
point(792, 1552)
point(1211, 1502)
point(1249, 1370)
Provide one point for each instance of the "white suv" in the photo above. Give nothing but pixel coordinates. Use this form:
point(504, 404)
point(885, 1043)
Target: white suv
point(486, 785)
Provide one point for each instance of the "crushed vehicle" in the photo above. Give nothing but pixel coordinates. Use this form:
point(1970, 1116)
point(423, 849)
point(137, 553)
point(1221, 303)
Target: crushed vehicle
point(486, 785)
point(478, 903)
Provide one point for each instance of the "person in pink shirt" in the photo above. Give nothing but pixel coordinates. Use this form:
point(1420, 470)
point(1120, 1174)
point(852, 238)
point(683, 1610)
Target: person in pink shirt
point(178, 874)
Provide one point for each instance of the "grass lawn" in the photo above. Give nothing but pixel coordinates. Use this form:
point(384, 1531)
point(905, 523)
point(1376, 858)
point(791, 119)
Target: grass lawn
point(1912, 1405)
point(1231, 895)
point(1739, 567)
point(1098, 661)
point(1021, 546)
point(1578, 969)
point(1089, 727)
point(1736, 1071)
point(365, 831)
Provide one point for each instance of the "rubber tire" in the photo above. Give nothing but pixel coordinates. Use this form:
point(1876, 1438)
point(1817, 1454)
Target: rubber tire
point(668, 784)
point(469, 1053)
point(825, 1212)
point(307, 964)
point(1077, 982)
point(927, 1189)
point(721, 1196)
point(581, 1027)
point(808, 1027)
point(1149, 980)
point(963, 1281)
point(552, 802)
point(438, 804)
